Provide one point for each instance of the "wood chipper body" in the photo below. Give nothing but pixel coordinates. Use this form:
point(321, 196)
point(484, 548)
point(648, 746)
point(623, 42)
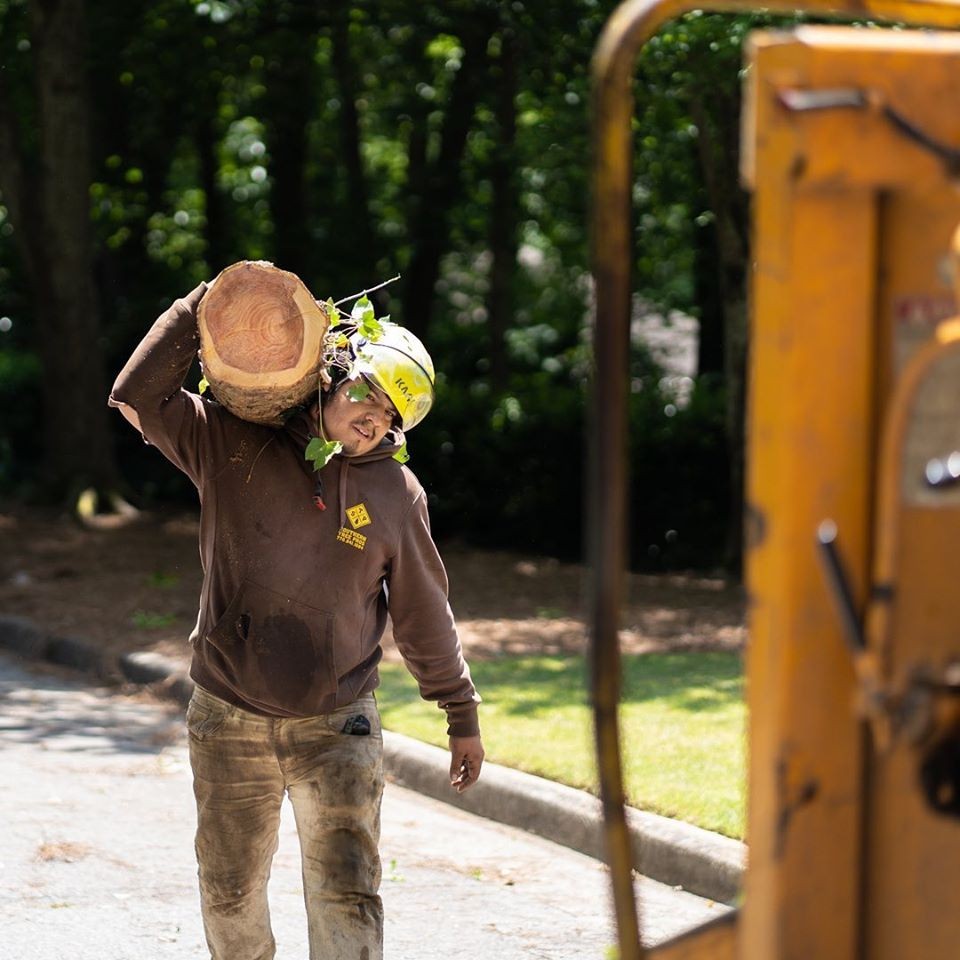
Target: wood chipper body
point(852, 152)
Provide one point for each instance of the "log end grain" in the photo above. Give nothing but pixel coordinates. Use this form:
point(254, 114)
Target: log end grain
point(261, 341)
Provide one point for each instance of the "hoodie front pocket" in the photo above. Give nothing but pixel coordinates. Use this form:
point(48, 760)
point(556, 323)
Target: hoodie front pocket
point(276, 651)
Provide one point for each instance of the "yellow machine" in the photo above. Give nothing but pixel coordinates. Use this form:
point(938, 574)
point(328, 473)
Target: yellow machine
point(852, 151)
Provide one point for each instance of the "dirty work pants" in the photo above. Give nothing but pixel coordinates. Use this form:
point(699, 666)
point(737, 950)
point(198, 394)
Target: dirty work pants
point(242, 765)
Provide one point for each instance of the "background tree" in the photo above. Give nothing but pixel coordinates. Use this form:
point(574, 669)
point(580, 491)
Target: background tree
point(44, 177)
point(355, 140)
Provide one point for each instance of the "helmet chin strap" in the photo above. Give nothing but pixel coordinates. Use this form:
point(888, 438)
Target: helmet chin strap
point(320, 430)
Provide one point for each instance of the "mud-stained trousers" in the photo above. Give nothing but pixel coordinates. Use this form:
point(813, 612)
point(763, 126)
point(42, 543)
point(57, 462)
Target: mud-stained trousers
point(242, 765)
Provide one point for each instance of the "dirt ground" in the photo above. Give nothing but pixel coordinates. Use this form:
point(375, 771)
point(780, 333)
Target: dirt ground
point(135, 587)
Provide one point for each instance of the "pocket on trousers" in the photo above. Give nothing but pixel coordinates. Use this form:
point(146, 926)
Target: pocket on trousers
point(343, 720)
point(205, 717)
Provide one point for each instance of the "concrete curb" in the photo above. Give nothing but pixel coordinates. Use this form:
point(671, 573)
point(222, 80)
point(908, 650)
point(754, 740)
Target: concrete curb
point(670, 851)
point(666, 850)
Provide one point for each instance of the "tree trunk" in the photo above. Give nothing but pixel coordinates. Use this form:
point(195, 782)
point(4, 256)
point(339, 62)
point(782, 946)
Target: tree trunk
point(289, 107)
point(261, 341)
point(503, 212)
point(78, 452)
point(430, 231)
point(710, 343)
point(719, 163)
point(363, 239)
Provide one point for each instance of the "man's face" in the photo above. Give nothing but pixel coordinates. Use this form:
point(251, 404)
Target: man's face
point(358, 415)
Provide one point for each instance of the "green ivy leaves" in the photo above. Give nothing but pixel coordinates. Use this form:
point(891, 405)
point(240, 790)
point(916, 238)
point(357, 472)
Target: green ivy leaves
point(367, 323)
point(358, 392)
point(320, 452)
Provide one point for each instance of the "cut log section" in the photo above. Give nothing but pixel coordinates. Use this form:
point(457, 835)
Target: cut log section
point(261, 341)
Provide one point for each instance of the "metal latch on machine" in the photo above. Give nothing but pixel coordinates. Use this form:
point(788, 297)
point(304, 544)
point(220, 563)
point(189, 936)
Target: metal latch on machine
point(925, 711)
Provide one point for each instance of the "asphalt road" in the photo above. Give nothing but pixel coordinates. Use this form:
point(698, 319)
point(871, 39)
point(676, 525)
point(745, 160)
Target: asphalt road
point(96, 860)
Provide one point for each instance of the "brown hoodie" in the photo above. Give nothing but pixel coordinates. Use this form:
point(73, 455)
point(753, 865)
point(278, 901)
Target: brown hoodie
point(294, 599)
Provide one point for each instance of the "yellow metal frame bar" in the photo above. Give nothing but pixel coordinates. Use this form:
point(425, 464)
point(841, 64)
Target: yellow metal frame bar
point(631, 25)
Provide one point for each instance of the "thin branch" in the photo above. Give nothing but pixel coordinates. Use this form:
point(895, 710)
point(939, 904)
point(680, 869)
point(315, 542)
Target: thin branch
point(363, 293)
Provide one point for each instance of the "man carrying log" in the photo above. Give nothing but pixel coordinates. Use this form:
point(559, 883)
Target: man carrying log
point(301, 566)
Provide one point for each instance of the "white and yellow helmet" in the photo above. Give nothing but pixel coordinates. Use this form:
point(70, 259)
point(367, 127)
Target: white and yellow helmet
point(398, 363)
point(394, 361)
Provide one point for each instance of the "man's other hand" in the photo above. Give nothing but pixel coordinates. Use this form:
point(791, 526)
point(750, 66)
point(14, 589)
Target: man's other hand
point(466, 759)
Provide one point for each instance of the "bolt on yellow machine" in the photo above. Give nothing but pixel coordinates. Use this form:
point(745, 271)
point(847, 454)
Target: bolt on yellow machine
point(852, 150)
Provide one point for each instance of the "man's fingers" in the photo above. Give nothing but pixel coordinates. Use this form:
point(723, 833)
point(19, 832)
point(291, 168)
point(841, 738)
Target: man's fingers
point(466, 759)
point(462, 770)
point(466, 775)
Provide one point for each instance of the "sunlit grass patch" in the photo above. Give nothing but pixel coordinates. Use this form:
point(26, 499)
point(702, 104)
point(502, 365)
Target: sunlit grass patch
point(682, 727)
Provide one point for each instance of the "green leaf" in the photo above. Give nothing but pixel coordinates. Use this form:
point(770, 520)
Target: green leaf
point(402, 455)
point(202, 386)
point(358, 392)
point(370, 328)
point(320, 452)
point(362, 308)
point(367, 323)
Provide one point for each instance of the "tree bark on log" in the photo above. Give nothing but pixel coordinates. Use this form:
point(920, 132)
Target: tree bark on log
point(261, 341)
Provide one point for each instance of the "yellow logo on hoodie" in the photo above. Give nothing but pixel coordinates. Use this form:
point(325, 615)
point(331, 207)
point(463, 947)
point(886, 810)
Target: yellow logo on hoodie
point(358, 516)
point(351, 538)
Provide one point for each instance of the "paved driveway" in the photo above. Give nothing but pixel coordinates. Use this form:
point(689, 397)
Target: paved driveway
point(96, 860)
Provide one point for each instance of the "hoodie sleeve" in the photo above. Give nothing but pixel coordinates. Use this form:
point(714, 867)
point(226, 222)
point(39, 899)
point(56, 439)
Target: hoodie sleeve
point(151, 384)
point(423, 624)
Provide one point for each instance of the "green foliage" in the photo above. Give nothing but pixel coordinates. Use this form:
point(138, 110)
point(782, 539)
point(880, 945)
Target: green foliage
point(368, 326)
point(677, 519)
point(524, 452)
point(152, 620)
point(207, 152)
point(320, 452)
point(522, 455)
point(20, 403)
point(682, 718)
point(358, 392)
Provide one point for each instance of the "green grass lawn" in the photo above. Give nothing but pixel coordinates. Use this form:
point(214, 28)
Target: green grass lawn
point(683, 724)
